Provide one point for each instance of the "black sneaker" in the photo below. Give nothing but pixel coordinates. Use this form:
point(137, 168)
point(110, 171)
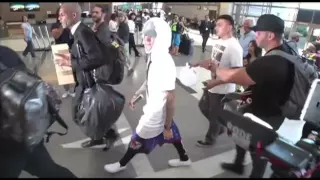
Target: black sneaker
point(130, 71)
point(91, 143)
point(109, 142)
point(204, 144)
point(238, 169)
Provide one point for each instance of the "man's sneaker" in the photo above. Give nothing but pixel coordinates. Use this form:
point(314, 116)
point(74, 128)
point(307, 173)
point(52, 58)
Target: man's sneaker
point(114, 168)
point(204, 144)
point(72, 94)
point(130, 71)
point(178, 163)
point(65, 95)
point(238, 169)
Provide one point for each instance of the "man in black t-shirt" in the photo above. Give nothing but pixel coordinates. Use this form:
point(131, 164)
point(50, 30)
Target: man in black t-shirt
point(62, 36)
point(269, 77)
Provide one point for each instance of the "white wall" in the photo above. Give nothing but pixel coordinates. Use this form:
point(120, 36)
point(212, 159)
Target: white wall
point(225, 8)
point(190, 11)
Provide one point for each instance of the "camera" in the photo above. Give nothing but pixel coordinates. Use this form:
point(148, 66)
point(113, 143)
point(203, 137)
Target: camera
point(288, 159)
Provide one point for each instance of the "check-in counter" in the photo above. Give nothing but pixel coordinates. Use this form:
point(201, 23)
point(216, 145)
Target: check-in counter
point(4, 31)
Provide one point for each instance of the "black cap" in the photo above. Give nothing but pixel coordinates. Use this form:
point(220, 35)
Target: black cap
point(269, 22)
point(228, 18)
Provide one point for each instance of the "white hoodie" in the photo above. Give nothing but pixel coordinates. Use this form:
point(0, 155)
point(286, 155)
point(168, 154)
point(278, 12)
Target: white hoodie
point(161, 78)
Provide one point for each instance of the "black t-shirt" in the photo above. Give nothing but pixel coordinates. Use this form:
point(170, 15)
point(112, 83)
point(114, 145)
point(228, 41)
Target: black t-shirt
point(274, 77)
point(65, 36)
point(138, 19)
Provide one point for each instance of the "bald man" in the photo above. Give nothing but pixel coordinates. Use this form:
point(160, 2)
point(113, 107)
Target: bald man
point(85, 56)
point(247, 36)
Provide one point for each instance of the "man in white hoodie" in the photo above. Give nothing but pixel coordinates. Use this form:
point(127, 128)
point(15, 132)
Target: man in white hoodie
point(156, 125)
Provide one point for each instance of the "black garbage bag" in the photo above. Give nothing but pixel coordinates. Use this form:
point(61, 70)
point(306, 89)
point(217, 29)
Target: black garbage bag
point(99, 109)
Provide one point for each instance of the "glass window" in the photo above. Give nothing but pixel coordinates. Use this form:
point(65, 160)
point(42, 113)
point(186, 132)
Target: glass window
point(255, 10)
point(237, 8)
point(314, 6)
point(284, 13)
point(258, 3)
point(265, 10)
point(285, 4)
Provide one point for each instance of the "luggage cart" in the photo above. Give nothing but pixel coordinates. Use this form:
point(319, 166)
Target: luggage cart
point(46, 47)
point(35, 40)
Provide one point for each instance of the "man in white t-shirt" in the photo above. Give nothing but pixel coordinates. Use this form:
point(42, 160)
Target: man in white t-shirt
point(227, 52)
point(156, 125)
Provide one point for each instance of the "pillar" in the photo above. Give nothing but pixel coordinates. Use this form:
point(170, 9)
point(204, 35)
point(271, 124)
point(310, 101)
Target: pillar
point(225, 8)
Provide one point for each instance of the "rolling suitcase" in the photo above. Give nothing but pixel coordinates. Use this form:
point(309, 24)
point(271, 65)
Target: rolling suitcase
point(185, 45)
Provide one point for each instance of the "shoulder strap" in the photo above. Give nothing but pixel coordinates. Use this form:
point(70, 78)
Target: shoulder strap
point(290, 48)
point(57, 117)
point(285, 55)
point(294, 59)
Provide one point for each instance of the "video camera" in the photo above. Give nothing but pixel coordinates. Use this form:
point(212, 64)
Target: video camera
point(288, 159)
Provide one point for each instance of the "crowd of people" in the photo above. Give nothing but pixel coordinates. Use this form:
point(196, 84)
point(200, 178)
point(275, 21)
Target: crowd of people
point(233, 61)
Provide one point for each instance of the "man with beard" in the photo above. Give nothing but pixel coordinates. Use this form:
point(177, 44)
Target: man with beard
point(227, 52)
point(270, 78)
point(103, 33)
point(83, 62)
point(62, 36)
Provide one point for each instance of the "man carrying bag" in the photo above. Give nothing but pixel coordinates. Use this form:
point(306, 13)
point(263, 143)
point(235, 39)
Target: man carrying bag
point(96, 106)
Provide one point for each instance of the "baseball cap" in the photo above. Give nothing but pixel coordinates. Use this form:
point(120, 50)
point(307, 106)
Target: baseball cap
point(227, 18)
point(149, 29)
point(269, 22)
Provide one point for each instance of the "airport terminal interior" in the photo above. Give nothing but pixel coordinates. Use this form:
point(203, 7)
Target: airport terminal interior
point(89, 162)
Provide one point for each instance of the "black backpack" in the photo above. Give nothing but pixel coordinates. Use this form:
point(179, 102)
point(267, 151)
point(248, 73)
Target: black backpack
point(112, 72)
point(304, 75)
point(26, 111)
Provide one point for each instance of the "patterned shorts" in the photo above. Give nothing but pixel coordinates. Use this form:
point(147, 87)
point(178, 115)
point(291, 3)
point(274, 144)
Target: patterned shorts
point(147, 145)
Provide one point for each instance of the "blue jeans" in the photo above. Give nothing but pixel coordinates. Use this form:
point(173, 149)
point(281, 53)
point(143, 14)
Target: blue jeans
point(28, 49)
point(176, 38)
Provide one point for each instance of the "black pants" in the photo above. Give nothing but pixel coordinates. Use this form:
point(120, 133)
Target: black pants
point(138, 146)
point(37, 163)
point(259, 165)
point(132, 44)
point(28, 49)
point(139, 27)
point(67, 88)
point(204, 41)
point(215, 122)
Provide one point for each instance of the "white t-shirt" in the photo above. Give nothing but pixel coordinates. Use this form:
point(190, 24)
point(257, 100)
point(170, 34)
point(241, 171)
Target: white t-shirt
point(132, 26)
point(228, 53)
point(151, 123)
point(113, 26)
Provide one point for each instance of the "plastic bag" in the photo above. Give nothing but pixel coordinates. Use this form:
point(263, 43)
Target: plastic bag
point(188, 76)
point(99, 109)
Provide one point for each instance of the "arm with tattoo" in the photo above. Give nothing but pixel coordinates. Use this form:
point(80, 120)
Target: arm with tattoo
point(142, 89)
point(170, 108)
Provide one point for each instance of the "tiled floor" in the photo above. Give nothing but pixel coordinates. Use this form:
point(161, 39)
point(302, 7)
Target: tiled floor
point(88, 163)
